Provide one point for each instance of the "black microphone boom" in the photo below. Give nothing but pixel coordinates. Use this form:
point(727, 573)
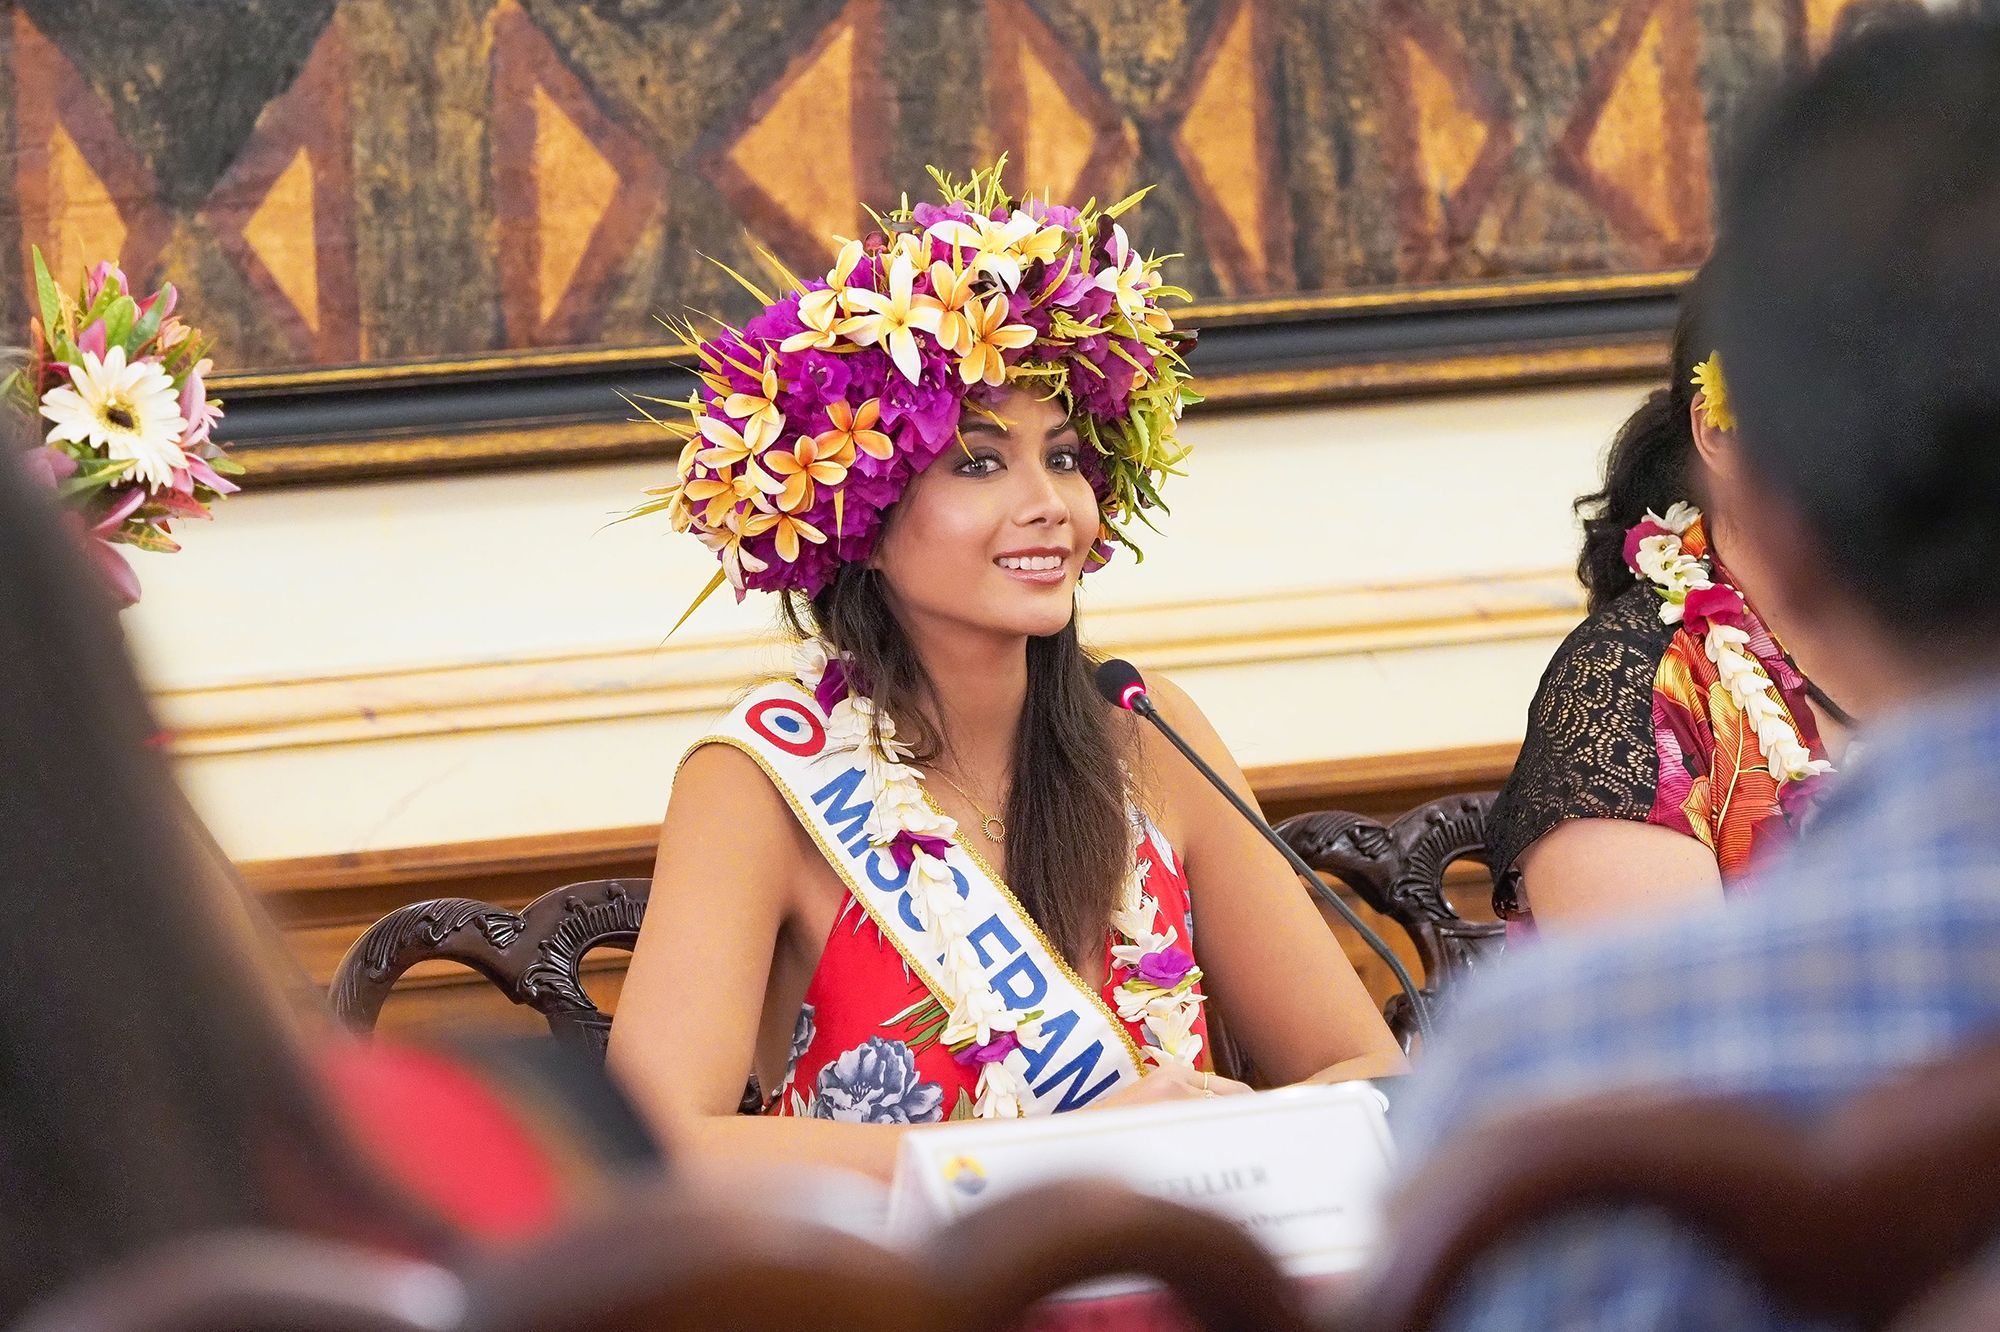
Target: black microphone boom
point(1122, 686)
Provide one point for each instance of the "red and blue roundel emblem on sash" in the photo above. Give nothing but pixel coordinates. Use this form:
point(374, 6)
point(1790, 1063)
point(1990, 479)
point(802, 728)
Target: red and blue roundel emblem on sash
point(788, 725)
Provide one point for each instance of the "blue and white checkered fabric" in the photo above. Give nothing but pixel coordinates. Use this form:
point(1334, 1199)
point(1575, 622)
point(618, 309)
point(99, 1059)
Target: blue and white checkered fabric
point(1874, 944)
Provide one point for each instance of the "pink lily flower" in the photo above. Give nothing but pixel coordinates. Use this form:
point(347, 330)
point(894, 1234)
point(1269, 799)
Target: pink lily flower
point(104, 271)
point(92, 339)
point(200, 414)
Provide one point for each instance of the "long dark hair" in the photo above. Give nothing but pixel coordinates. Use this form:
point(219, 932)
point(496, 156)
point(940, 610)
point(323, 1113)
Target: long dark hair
point(1068, 841)
point(1650, 464)
point(153, 1082)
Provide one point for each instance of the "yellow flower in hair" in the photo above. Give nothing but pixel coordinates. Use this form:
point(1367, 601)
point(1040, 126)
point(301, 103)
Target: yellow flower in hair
point(789, 531)
point(854, 428)
point(991, 335)
point(1714, 393)
point(759, 410)
point(805, 466)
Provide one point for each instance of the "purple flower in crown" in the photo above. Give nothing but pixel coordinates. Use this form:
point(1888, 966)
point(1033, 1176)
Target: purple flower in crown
point(812, 379)
point(1056, 215)
point(779, 321)
point(1166, 968)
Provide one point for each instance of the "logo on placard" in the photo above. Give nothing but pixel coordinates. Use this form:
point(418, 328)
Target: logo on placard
point(788, 725)
point(965, 1175)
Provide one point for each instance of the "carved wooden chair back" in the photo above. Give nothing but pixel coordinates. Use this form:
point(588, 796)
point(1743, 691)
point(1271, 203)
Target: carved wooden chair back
point(1874, 1213)
point(1399, 870)
point(259, 1281)
point(534, 955)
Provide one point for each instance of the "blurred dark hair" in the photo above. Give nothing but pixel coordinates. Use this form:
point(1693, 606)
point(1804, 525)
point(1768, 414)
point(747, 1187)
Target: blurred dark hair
point(1068, 827)
point(152, 1085)
point(1650, 464)
point(1854, 291)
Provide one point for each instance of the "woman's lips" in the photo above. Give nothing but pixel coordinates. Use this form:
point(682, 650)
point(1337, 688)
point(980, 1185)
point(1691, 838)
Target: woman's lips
point(1037, 568)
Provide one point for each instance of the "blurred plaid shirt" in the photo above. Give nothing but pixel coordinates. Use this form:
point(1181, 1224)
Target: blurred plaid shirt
point(1873, 944)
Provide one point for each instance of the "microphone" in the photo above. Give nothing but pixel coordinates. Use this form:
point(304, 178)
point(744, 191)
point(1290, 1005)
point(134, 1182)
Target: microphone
point(1122, 686)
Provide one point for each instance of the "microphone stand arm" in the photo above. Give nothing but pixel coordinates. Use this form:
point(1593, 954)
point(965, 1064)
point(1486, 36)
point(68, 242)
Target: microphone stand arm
point(1419, 1008)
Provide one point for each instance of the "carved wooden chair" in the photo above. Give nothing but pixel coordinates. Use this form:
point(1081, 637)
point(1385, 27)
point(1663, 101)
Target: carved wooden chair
point(535, 955)
point(1884, 1212)
point(1399, 870)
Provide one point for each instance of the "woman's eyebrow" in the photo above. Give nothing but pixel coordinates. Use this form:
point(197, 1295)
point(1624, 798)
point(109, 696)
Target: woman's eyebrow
point(983, 426)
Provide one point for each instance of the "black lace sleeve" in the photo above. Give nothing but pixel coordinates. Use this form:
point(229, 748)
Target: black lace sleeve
point(1589, 749)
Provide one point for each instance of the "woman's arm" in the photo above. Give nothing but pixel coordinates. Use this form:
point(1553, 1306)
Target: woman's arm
point(731, 855)
point(1588, 872)
point(1292, 996)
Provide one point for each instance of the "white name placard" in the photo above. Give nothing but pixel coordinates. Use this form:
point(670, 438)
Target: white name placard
point(1303, 1169)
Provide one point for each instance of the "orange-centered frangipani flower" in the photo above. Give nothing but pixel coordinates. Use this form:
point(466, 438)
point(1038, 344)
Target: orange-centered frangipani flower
point(991, 335)
point(787, 530)
point(806, 465)
point(759, 409)
point(728, 445)
point(951, 288)
point(854, 428)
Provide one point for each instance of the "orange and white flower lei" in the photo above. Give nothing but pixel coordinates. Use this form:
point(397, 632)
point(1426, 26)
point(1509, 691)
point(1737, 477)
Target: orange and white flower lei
point(975, 1013)
point(1662, 560)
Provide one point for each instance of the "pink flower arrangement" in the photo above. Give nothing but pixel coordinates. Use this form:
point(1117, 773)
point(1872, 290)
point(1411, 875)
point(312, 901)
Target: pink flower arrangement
point(122, 384)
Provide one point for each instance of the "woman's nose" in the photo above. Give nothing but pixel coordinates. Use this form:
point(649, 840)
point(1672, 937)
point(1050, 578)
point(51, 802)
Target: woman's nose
point(1042, 504)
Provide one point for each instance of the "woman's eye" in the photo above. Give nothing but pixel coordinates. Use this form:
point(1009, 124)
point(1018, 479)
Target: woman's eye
point(1064, 460)
point(982, 463)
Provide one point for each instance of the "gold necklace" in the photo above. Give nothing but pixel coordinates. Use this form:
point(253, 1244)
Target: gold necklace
point(989, 824)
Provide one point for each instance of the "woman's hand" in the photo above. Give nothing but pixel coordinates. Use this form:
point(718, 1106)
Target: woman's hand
point(1172, 1082)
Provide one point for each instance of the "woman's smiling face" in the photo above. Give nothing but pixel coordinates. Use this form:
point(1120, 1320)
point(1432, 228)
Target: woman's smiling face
point(993, 536)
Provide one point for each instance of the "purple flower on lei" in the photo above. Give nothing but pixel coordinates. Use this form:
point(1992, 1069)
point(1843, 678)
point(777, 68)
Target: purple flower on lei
point(992, 1052)
point(1166, 968)
point(832, 687)
point(876, 1083)
point(903, 850)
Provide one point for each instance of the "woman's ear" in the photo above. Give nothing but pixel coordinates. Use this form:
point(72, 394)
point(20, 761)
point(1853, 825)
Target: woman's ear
point(1716, 446)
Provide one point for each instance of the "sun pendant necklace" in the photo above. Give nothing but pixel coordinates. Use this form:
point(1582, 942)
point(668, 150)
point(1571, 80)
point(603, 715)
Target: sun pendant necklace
point(991, 825)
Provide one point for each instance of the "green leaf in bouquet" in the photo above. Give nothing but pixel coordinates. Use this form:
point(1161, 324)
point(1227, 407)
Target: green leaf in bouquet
point(225, 465)
point(48, 295)
point(94, 474)
point(119, 317)
point(963, 1108)
point(148, 325)
point(144, 536)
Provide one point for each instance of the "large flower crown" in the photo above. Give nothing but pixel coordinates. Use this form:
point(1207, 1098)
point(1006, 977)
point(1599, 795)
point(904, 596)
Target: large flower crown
point(813, 417)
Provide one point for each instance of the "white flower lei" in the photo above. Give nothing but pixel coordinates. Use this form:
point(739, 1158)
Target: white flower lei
point(974, 1012)
point(1664, 562)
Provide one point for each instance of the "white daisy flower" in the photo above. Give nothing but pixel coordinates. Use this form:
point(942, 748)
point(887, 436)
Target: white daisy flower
point(130, 411)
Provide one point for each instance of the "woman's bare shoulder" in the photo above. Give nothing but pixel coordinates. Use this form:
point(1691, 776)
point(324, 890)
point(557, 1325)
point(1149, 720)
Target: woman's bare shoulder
point(723, 797)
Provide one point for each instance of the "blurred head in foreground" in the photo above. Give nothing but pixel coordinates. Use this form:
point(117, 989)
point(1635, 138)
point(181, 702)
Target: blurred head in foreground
point(1852, 294)
point(153, 1084)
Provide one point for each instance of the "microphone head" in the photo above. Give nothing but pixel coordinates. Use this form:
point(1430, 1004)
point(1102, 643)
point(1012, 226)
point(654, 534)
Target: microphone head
point(1120, 683)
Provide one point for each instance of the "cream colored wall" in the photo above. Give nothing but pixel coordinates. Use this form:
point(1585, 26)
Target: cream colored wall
point(411, 663)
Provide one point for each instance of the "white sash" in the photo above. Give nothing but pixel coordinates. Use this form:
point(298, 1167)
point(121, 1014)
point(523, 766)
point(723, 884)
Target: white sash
point(1082, 1051)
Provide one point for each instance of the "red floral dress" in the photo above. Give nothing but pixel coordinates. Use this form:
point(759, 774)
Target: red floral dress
point(865, 1048)
point(1632, 721)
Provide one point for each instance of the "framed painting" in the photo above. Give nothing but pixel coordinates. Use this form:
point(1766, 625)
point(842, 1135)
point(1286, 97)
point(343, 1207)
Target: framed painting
point(442, 235)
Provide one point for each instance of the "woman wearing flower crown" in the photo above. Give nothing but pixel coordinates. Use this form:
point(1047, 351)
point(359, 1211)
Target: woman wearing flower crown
point(1674, 739)
point(931, 875)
